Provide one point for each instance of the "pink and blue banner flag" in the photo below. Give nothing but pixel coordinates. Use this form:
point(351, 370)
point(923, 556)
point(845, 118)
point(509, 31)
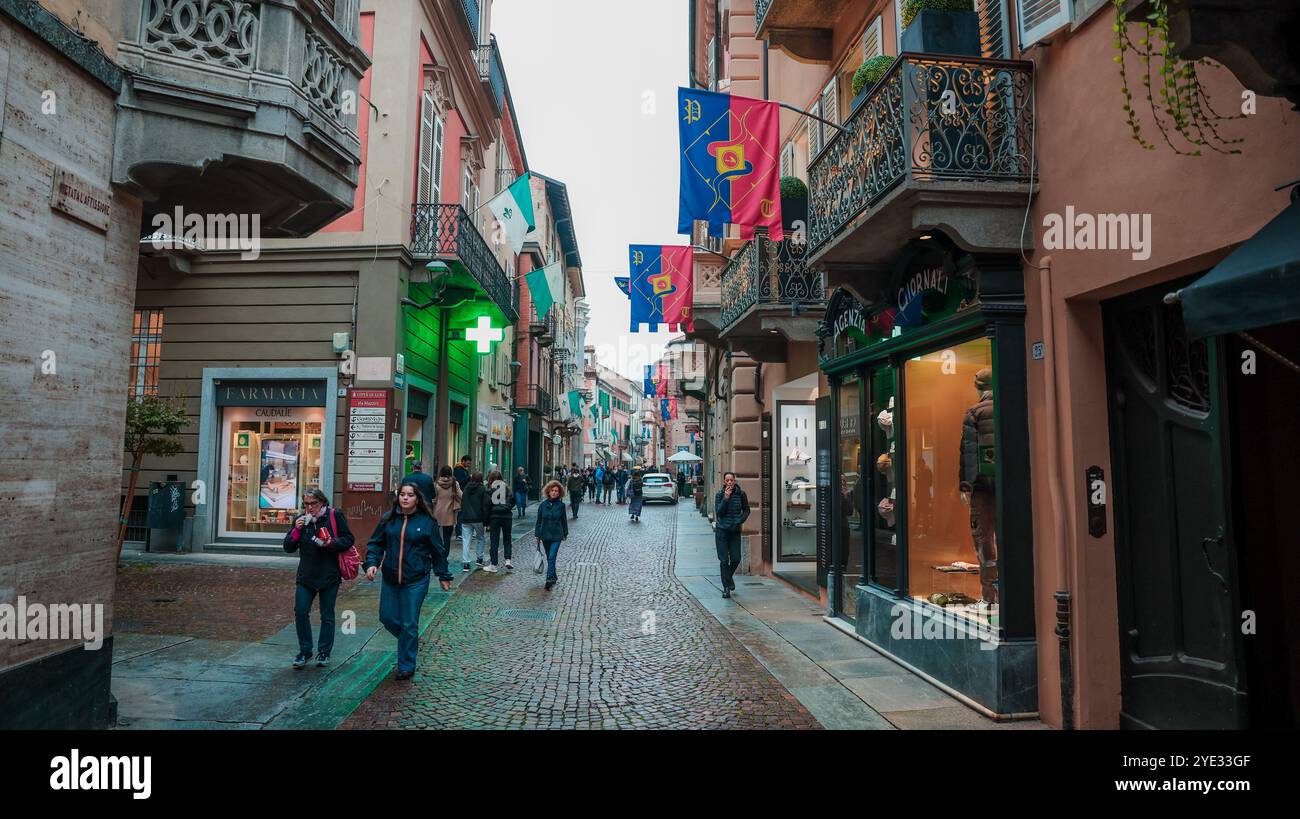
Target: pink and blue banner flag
point(662, 288)
point(731, 163)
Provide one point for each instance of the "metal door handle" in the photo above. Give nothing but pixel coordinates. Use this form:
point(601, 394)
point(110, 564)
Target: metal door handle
point(1205, 550)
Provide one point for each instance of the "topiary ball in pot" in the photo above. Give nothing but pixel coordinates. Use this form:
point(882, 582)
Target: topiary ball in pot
point(870, 72)
point(792, 187)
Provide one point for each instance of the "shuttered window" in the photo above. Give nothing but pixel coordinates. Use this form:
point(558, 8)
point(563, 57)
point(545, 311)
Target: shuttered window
point(873, 44)
point(814, 132)
point(830, 104)
point(787, 159)
point(429, 175)
point(1039, 19)
point(995, 41)
point(425, 184)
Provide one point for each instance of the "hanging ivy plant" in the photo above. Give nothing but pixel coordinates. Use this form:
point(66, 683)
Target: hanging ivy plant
point(1184, 106)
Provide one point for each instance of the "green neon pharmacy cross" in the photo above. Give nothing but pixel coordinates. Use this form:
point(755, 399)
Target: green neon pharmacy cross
point(484, 334)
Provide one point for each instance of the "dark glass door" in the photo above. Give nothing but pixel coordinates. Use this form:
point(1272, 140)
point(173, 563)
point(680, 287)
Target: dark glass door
point(1175, 563)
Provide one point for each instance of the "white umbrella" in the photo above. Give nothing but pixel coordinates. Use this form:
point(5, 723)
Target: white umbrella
point(685, 457)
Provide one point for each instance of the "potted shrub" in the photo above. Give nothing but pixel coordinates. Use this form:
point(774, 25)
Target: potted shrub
point(794, 203)
point(941, 27)
point(866, 77)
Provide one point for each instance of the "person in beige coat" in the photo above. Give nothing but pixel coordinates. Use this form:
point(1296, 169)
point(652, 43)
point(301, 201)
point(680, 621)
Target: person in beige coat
point(446, 503)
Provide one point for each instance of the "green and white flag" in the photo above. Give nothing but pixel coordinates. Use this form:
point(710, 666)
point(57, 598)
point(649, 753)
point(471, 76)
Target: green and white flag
point(547, 287)
point(575, 404)
point(513, 208)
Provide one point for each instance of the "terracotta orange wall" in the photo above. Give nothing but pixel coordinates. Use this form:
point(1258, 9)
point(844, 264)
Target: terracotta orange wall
point(1201, 207)
point(355, 220)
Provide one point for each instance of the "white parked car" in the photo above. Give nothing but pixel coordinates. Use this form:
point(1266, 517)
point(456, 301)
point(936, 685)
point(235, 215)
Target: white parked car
point(658, 486)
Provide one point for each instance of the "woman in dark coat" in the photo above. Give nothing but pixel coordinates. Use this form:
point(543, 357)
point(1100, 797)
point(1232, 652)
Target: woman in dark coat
point(501, 505)
point(408, 544)
point(473, 520)
point(521, 490)
point(319, 535)
point(552, 527)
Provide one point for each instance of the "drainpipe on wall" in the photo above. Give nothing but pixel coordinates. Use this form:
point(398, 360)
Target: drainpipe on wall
point(1057, 495)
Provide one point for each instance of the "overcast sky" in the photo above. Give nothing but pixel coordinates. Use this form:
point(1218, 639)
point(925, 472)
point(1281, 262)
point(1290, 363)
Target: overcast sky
point(582, 74)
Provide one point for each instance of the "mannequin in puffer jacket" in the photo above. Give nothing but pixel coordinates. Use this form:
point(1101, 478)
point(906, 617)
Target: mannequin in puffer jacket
point(977, 440)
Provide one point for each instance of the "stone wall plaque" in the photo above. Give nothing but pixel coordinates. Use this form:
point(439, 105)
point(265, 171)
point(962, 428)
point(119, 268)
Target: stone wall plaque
point(79, 198)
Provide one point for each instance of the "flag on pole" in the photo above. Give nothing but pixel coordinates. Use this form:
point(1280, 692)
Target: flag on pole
point(575, 404)
point(661, 285)
point(663, 409)
point(513, 208)
point(648, 385)
point(546, 285)
point(661, 385)
point(731, 166)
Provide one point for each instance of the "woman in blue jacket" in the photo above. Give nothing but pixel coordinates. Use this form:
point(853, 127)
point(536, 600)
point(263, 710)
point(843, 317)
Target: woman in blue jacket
point(407, 543)
point(552, 527)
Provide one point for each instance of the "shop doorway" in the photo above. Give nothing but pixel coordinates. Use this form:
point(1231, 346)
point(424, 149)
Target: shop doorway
point(1181, 647)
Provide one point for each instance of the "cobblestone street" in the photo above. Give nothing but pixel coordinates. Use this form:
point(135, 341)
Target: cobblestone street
point(619, 643)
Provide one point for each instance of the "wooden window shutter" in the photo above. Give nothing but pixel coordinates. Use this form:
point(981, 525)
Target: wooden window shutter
point(425, 173)
point(814, 132)
point(437, 158)
point(873, 44)
point(787, 159)
point(1039, 19)
point(830, 104)
point(995, 38)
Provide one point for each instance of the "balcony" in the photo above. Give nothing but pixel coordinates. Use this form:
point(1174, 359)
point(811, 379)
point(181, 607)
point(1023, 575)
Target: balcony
point(770, 297)
point(476, 284)
point(237, 106)
point(804, 28)
point(492, 74)
point(535, 399)
point(938, 143)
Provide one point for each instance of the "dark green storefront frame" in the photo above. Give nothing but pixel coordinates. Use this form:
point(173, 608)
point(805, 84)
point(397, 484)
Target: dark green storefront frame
point(1001, 681)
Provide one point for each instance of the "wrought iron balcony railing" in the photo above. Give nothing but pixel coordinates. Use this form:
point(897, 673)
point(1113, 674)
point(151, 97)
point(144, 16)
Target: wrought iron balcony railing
point(767, 272)
point(491, 72)
point(447, 231)
point(927, 119)
point(471, 14)
point(761, 8)
point(536, 399)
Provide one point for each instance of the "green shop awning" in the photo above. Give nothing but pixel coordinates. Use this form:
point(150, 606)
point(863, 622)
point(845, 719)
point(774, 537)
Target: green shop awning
point(1256, 286)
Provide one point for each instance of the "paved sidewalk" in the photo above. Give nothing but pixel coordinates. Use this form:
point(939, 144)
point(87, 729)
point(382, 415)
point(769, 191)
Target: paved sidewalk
point(844, 683)
point(206, 641)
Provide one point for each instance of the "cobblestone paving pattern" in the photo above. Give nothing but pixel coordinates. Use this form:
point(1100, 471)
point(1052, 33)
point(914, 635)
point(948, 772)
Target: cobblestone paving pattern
point(629, 647)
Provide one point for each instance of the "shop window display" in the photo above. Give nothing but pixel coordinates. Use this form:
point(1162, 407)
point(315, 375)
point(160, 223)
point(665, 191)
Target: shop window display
point(851, 490)
point(951, 466)
point(884, 483)
point(271, 456)
point(798, 493)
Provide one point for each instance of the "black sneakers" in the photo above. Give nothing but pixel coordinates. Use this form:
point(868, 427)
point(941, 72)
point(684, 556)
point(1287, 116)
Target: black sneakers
point(404, 675)
point(301, 660)
point(726, 593)
point(322, 660)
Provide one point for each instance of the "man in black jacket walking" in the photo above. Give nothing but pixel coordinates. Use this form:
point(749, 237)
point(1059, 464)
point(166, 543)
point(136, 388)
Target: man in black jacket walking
point(730, 511)
point(422, 481)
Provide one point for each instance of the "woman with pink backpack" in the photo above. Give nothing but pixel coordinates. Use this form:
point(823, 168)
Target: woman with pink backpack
point(324, 544)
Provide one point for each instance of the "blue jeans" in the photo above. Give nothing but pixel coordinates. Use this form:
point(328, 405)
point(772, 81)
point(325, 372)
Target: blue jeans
point(302, 616)
point(552, 552)
point(477, 533)
point(521, 502)
point(399, 611)
point(621, 489)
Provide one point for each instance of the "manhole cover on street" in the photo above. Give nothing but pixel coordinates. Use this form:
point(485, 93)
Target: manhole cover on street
point(526, 614)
